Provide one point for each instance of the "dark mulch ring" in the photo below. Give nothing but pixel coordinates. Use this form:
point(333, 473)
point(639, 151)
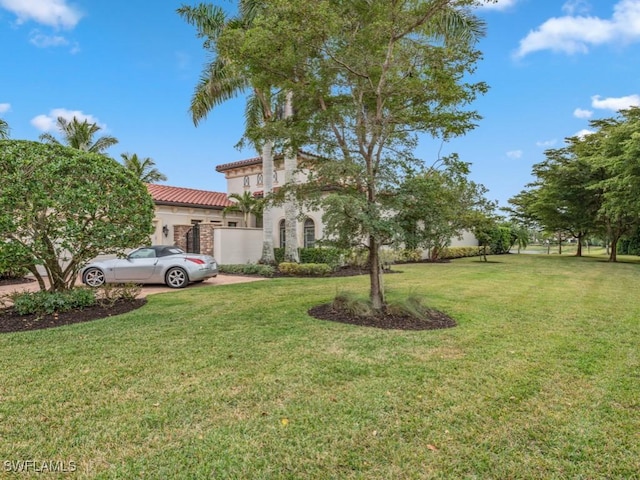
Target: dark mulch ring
point(436, 320)
point(10, 321)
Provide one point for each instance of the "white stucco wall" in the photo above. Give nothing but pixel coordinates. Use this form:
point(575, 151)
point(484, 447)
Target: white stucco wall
point(237, 245)
point(468, 239)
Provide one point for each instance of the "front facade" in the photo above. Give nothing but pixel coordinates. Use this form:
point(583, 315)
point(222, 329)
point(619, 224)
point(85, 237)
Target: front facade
point(247, 176)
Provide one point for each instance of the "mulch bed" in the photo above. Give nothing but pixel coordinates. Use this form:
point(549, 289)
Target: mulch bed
point(385, 320)
point(10, 321)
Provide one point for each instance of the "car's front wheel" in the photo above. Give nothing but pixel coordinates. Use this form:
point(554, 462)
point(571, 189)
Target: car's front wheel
point(176, 278)
point(94, 277)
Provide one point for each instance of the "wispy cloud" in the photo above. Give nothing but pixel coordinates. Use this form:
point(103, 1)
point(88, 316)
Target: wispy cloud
point(5, 107)
point(499, 5)
point(572, 34)
point(615, 104)
point(574, 7)
point(546, 143)
point(54, 13)
point(515, 154)
point(47, 123)
point(582, 113)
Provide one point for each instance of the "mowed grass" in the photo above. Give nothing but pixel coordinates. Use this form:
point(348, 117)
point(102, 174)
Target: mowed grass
point(540, 379)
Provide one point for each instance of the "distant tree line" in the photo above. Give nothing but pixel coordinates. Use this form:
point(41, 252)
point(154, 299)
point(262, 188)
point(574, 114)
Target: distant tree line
point(589, 188)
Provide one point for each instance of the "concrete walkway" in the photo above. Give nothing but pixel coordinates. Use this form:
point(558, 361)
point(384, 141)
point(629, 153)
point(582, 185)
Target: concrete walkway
point(146, 289)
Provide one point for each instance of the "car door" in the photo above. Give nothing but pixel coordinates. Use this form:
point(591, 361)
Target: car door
point(139, 266)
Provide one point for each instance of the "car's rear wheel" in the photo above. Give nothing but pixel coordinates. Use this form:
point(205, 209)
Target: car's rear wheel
point(94, 277)
point(176, 278)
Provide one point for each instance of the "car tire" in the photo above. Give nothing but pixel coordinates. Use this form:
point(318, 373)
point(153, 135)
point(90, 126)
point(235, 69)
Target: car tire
point(94, 277)
point(176, 278)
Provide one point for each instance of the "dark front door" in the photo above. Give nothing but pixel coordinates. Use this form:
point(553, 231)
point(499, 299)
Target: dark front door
point(193, 239)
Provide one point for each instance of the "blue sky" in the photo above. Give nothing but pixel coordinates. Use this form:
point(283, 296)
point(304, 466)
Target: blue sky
point(131, 66)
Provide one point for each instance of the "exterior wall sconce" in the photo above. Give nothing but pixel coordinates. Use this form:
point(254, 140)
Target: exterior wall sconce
point(165, 230)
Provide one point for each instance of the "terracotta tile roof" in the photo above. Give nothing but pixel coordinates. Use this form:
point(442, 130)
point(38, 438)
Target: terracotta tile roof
point(166, 195)
point(255, 161)
point(241, 163)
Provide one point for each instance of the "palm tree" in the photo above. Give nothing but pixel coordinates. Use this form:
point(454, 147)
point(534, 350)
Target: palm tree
point(79, 135)
point(221, 81)
point(144, 169)
point(4, 129)
point(245, 203)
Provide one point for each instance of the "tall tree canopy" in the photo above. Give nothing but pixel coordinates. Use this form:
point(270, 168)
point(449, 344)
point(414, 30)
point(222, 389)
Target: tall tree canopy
point(144, 169)
point(222, 79)
point(61, 207)
point(591, 184)
point(366, 76)
point(80, 135)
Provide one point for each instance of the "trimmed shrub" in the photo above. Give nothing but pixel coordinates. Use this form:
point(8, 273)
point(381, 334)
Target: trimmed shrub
point(409, 255)
point(460, 252)
point(329, 255)
point(110, 293)
point(45, 302)
point(248, 269)
point(305, 269)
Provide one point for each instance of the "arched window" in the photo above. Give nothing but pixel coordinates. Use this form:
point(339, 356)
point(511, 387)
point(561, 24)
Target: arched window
point(246, 181)
point(275, 177)
point(309, 233)
point(259, 179)
point(283, 234)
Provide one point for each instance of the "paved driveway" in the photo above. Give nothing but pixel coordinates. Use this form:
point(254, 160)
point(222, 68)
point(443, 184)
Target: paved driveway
point(146, 289)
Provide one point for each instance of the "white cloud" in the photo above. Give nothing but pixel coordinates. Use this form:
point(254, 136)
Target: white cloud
point(514, 154)
point(583, 133)
point(575, 34)
point(546, 143)
point(5, 107)
point(47, 123)
point(41, 40)
point(582, 113)
point(573, 7)
point(500, 5)
point(55, 13)
point(615, 104)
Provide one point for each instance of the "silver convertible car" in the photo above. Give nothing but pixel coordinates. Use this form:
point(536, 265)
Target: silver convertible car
point(155, 264)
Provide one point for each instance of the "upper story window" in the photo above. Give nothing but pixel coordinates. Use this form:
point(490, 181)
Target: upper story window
point(246, 182)
point(275, 177)
point(259, 179)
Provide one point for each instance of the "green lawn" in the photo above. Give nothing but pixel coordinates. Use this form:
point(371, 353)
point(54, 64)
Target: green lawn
point(541, 379)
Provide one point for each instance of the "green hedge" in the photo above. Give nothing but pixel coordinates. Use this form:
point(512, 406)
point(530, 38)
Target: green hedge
point(331, 256)
point(248, 269)
point(305, 269)
point(460, 252)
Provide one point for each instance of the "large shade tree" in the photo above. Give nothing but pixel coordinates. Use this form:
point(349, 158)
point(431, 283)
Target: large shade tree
point(80, 135)
point(61, 207)
point(367, 76)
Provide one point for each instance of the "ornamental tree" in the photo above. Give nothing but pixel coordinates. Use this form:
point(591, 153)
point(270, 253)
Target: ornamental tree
point(61, 207)
point(366, 77)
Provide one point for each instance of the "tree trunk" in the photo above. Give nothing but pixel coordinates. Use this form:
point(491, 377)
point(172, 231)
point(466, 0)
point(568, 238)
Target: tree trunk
point(290, 214)
point(376, 294)
point(613, 254)
point(559, 244)
point(579, 251)
point(268, 257)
